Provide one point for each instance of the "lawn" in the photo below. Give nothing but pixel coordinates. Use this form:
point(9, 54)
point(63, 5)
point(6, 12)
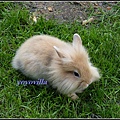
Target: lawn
point(101, 38)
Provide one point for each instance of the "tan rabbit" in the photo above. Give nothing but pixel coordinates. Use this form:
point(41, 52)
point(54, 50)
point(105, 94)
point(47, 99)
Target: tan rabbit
point(66, 66)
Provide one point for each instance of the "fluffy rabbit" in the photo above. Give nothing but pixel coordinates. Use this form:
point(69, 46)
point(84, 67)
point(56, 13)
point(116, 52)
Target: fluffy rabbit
point(66, 66)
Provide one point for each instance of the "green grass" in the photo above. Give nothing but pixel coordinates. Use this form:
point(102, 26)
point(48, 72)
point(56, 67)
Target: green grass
point(102, 39)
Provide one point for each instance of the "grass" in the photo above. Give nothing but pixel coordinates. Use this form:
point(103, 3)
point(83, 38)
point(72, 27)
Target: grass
point(102, 39)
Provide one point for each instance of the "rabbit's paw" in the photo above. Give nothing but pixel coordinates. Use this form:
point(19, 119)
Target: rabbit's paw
point(73, 96)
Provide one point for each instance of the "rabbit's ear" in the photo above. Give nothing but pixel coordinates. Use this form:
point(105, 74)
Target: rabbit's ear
point(60, 54)
point(76, 40)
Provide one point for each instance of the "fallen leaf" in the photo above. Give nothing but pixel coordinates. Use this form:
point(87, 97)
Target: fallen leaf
point(98, 13)
point(34, 19)
point(108, 8)
point(87, 21)
point(50, 9)
point(95, 4)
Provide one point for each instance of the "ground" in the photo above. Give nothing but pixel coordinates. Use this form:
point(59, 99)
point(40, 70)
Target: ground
point(101, 38)
point(68, 11)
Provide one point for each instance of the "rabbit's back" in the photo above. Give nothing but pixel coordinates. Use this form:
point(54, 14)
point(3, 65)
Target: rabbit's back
point(35, 55)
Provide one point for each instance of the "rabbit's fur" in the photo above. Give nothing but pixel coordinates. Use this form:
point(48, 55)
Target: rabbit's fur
point(66, 66)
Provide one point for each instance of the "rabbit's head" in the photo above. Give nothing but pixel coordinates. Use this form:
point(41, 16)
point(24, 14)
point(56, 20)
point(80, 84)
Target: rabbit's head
point(72, 71)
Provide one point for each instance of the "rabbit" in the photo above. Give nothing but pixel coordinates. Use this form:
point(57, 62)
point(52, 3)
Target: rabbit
point(65, 65)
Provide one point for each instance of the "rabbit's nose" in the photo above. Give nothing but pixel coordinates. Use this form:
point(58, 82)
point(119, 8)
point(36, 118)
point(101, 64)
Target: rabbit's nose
point(84, 84)
point(87, 85)
point(84, 87)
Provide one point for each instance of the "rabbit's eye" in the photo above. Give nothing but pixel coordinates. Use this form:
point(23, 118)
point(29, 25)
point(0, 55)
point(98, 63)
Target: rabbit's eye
point(76, 74)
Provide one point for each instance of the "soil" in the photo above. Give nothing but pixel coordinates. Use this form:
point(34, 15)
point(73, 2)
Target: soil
point(67, 11)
